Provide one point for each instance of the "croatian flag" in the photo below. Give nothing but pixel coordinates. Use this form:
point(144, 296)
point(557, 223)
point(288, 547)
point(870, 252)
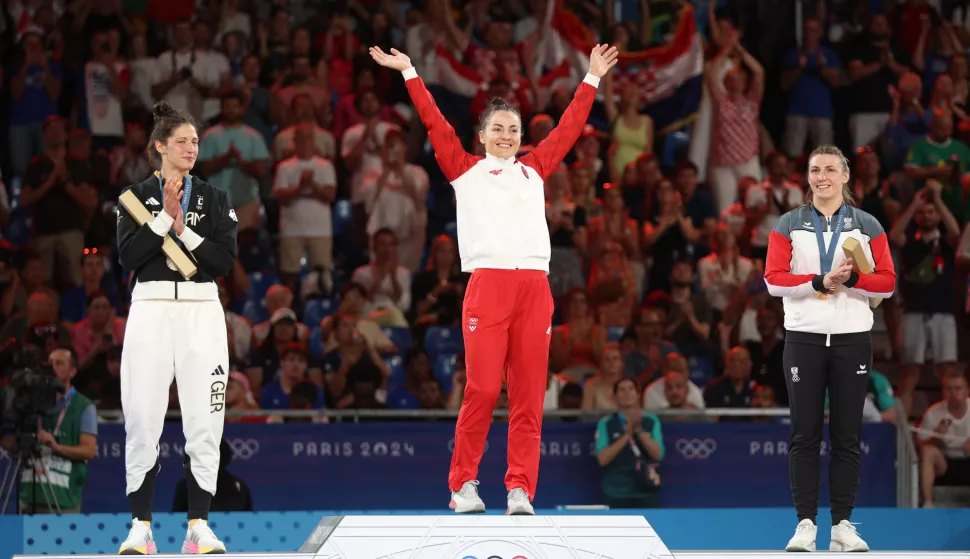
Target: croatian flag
point(671, 76)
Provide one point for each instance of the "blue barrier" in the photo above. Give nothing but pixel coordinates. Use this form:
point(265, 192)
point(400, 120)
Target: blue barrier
point(695, 529)
point(345, 466)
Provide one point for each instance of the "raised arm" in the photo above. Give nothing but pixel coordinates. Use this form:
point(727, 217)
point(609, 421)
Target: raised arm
point(451, 156)
point(547, 156)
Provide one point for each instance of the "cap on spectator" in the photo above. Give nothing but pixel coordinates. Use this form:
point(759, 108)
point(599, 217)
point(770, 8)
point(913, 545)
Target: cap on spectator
point(590, 131)
point(281, 315)
point(294, 348)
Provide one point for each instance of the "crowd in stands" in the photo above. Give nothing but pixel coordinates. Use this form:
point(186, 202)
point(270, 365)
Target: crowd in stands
point(347, 291)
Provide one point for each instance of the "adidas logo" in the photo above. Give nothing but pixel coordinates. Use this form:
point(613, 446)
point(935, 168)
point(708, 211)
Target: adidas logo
point(152, 202)
point(219, 372)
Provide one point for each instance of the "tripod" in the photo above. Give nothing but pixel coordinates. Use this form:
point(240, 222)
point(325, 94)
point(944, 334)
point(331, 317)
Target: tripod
point(13, 477)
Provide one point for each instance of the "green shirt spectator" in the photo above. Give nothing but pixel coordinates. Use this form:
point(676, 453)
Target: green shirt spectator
point(619, 484)
point(941, 157)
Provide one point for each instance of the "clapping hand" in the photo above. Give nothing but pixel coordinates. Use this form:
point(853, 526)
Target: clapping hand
point(838, 275)
point(173, 198)
point(397, 60)
point(602, 59)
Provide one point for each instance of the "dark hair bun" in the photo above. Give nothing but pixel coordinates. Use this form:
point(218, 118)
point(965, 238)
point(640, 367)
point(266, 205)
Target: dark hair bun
point(163, 109)
point(498, 103)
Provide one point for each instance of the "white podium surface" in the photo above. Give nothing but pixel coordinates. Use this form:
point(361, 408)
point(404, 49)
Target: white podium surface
point(486, 537)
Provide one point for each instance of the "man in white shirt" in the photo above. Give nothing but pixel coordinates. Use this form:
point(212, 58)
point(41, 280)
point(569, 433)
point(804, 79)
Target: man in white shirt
point(363, 143)
point(185, 76)
point(766, 202)
point(302, 111)
point(945, 438)
point(388, 284)
point(305, 186)
point(218, 74)
point(672, 391)
point(105, 89)
point(396, 197)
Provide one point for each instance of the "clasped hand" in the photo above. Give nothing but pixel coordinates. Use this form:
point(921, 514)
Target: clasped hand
point(173, 203)
point(838, 275)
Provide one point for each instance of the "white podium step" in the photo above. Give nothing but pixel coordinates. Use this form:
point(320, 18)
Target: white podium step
point(485, 537)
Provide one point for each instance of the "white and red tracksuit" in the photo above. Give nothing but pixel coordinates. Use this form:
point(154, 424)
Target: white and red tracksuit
point(503, 240)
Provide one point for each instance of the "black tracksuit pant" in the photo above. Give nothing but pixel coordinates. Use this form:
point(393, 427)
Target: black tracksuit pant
point(840, 365)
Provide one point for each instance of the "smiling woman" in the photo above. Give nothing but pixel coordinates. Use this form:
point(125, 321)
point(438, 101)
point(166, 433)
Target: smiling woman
point(504, 242)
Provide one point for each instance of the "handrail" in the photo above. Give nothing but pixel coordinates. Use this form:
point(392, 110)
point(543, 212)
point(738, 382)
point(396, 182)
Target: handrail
point(110, 415)
point(907, 461)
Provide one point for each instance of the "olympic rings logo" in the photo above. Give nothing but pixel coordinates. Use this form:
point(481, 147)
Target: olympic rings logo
point(698, 449)
point(243, 449)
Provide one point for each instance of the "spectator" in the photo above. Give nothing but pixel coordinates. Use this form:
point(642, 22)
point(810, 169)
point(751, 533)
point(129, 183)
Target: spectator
point(458, 381)
point(909, 120)
point(277, 297)
point(945, 439)
point(35, 87)
point(303, 112)
point(874, 65)
point(75, 302)
point(735, 216)
point(234, 158)
point(724, 271)
point(567, 235)
point(257, 98)
point(627, 442)
point(766, 202)
point(632, 131)
point(668, 235)
point(767, 368)
point(614, 281)
point(388, 284)
point(639, 181)
point(354, 361)
point(239, 397)
point(305, 186)
point(442, 275)
point(417, 370)
point(689, 322)
point(598, 391)
point(264, 362)
point(734, 141)
point(927, 254)
point(108, 390)
point(698, 204)
point(582, 189)
point(186, 76)
point(94, 335)
point(363, 143)
point(56, 188)
point(645, 361)
point(41, 312)
point(811, 73)
point(104, 90)
point(570, 397)
point(577, 344)
point(395, 195)
point(944, 159)
point(293, 370)
point(764, 398)
point(674, 390)
point(430, 396)
point(352, 305)
point(128, 162)
point(733, 389)
point(242, 330)
point(69, 431)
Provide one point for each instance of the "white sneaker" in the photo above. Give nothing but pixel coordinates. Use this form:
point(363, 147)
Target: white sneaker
point(845, 538)
point(804, 538)
point(199, 539)
point(519, 503)
point(467, 500)
point(139, 541)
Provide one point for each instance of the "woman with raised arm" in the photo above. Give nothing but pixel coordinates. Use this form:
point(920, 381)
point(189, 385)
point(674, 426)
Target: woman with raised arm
point(503, 241)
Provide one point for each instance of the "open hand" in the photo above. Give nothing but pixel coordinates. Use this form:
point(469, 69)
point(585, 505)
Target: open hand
point(602, 59)
point(173, 197)
point(179, 224)
point(397, 60)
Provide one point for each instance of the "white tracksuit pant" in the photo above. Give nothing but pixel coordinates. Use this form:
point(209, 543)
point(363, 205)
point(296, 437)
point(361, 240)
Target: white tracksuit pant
point(185, 340)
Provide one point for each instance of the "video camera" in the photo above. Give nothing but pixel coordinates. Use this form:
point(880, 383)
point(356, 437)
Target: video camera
point(32, 388)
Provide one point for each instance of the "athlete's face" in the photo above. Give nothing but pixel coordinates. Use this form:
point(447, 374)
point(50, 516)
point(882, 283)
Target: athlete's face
point(827, 176)
point(502, 134)
point(181, 149)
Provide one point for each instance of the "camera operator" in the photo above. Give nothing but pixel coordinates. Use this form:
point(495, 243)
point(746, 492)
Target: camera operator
point(67, 439)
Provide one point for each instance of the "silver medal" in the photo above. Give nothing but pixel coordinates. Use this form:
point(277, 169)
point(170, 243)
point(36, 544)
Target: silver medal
point(171, 265)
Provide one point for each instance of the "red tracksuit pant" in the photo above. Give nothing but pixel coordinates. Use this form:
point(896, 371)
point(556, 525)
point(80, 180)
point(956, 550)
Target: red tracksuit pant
point(506, 323)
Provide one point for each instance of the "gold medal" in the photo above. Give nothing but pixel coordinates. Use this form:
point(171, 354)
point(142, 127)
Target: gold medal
point(825, 295)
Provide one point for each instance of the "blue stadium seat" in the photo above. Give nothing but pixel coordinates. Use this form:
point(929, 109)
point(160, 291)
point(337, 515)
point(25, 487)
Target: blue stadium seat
point(396, 378)
point(674, 144)
point(444, 369)
point(614, 333)
point(442, 340)
point(255, 311)
point(401, 337)
point(342, 216)
point(701, 370)
point(315, 342)
point(451, 229)
point(316, 310)
point(259, 284)
point(18, 231)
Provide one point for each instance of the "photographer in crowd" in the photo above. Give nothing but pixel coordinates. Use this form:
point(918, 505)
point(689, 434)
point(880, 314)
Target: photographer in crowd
point(55, 472)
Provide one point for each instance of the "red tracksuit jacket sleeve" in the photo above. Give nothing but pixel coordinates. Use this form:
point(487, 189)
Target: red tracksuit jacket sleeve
point(547, 156)
point(781, 282)
point(881, 283)
point(452, 157)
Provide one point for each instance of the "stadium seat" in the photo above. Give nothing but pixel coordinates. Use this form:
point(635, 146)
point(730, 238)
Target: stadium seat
point(614, 333)
point(259, 284)
point(316, 310)
point(315, 342)
point(674, 145)
point(444, 369)
point(18, 230)
point(443, 340)
point(701, 370)
point(451, 229)
point(401, 337)
point(342, 216)
point(396, 378)
point(255, 311)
